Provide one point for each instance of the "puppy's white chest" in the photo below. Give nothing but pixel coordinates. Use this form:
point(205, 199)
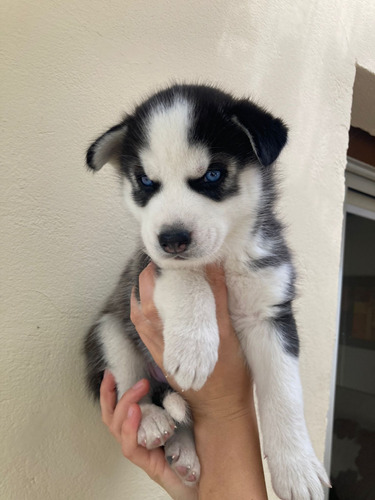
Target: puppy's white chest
point(253, 294)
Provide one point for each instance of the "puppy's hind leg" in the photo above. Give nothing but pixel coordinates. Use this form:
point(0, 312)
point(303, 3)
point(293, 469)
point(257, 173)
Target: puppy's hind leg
point(128, 366)
point(120, 354)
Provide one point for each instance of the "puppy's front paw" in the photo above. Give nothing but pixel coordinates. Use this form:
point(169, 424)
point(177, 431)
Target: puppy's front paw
point(297, 475)
point(182, 457)
point(156, 426)
point(192, 361)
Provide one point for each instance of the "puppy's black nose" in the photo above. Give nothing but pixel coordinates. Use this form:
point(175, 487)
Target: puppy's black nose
point(174, 241)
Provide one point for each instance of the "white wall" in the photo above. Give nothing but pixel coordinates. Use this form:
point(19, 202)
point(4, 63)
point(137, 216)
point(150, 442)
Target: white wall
point(70, 70)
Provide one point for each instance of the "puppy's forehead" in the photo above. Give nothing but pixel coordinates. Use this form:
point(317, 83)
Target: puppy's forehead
point(168, 146)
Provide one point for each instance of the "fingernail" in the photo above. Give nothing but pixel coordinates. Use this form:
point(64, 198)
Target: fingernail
point(138, 385)
point(131, 412)
point(106, 373)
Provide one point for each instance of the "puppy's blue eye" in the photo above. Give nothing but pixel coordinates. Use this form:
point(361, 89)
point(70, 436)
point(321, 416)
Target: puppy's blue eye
point(146, 181)
point(212, 176)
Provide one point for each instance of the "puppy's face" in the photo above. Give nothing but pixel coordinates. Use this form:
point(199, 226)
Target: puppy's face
point(191, 170)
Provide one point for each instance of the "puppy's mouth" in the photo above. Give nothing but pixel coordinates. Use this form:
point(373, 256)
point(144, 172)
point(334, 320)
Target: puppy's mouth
point(188, 256)
point(176, 257)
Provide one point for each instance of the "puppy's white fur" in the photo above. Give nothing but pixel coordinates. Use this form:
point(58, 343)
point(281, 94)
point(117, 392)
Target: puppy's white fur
point(125, 362)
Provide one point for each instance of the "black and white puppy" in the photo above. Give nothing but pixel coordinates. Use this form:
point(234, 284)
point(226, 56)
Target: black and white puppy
point(196, 167)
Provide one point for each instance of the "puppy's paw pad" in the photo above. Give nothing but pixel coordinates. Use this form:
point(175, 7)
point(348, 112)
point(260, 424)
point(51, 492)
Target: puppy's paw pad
point(156, 427)
point(183, 459)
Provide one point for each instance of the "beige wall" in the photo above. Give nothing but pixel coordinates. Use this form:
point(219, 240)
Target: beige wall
point(71, 69)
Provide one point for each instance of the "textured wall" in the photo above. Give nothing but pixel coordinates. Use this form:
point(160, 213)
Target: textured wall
point(71, 69)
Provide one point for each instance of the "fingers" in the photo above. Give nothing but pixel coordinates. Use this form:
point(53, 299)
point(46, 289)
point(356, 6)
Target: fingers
point(215, 274)
point(145, 317)
point(132, 396)
point(146, 293)
point(123, 422)
point(114, 416)
point(108, 397)
point(136, 314)
point(216, 278)
point(151, 336)
point(148, 460)
point(128, 436)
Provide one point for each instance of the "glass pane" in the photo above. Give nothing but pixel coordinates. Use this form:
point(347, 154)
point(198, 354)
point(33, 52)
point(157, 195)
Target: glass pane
point(353, 444)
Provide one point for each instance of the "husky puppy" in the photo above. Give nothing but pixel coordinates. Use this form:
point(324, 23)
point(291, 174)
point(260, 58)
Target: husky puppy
point(196, 167)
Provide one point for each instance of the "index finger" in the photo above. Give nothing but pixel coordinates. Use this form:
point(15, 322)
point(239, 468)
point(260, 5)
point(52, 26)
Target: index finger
point(108, 397)
point(146, 292)
point(216, 278)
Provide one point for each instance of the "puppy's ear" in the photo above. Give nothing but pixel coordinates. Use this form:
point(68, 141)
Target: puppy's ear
point(267, 134)
point(107, 147)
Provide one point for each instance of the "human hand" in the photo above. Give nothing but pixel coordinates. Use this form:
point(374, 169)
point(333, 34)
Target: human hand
point(123, 420)
point(228, 391)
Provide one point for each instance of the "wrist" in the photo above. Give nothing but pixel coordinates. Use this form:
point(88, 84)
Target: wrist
point(214, 423)
point(229, 450)
point(221, 416)
point(225, 409)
